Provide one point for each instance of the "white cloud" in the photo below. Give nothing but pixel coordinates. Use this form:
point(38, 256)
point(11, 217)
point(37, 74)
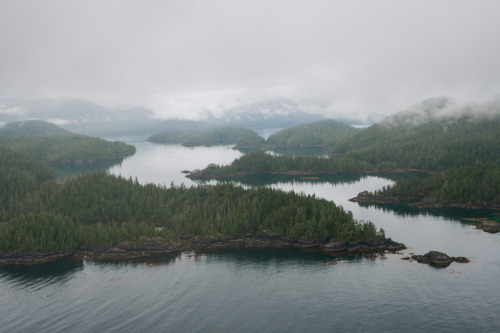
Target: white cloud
point(11, 110)
point(59, 122)
point(364, 59)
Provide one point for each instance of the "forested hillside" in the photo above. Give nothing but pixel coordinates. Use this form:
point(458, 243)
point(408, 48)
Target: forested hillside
point(18, 175)
point(475, 185)
point(51, 144)
point(40, 214)
point(462, 149)
point(321, 133)
point(67, 149)
point(214, 136)
point(31, 128)
point(252, 141)
point(436, 144)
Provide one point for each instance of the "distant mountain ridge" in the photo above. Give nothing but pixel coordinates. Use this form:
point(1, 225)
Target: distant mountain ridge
point(272, 113)
point(77, 115)
point(85, 117)
point(442, 108)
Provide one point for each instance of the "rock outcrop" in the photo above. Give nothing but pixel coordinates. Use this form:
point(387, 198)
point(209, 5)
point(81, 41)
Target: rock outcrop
point(489, 226)
point(438, 259)
point(362, 246)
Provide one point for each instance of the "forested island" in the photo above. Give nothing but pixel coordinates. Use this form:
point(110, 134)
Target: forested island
point(52, 145)
point(473, 186)
point(262, 162)
point(460, 153)
point(323, 133)
point(203, 137)
point(111, 217)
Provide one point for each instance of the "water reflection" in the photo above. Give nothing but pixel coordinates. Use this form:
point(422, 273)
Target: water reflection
point(264, 179)
point(58, 271)
point(72, 170)
point(269, 256)
point(310, 151)
point(452, 213)
point(160, 260)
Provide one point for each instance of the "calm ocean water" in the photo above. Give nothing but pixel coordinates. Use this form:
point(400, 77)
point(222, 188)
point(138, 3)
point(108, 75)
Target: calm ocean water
point(268, 290)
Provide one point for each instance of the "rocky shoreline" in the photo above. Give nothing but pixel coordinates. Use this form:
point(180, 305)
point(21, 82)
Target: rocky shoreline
point(149, 247)
point(31, 258)
point(485, 224)
point(437, 259)
point(422, 204)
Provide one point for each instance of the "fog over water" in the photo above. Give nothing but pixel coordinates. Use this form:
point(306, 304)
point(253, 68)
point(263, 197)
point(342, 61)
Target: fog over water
point(355, 60)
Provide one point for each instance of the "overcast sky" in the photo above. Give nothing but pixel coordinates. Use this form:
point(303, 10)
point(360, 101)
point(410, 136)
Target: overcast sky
point(355, 58)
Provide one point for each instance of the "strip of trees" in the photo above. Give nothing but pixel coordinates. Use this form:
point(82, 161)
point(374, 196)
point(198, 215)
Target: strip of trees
point(477, 185)
point(256, 162)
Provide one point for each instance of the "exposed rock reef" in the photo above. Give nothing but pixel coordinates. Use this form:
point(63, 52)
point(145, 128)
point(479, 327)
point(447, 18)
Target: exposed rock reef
point(364, 246)
point(26, 259)
point(489, 226)
point(438, 259)
point(485, 224)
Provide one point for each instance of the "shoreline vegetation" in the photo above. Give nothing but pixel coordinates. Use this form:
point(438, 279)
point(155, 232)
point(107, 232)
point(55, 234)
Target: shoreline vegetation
point(53, 145)
point(422, 204)
point(473, 187)
point(261, 162)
